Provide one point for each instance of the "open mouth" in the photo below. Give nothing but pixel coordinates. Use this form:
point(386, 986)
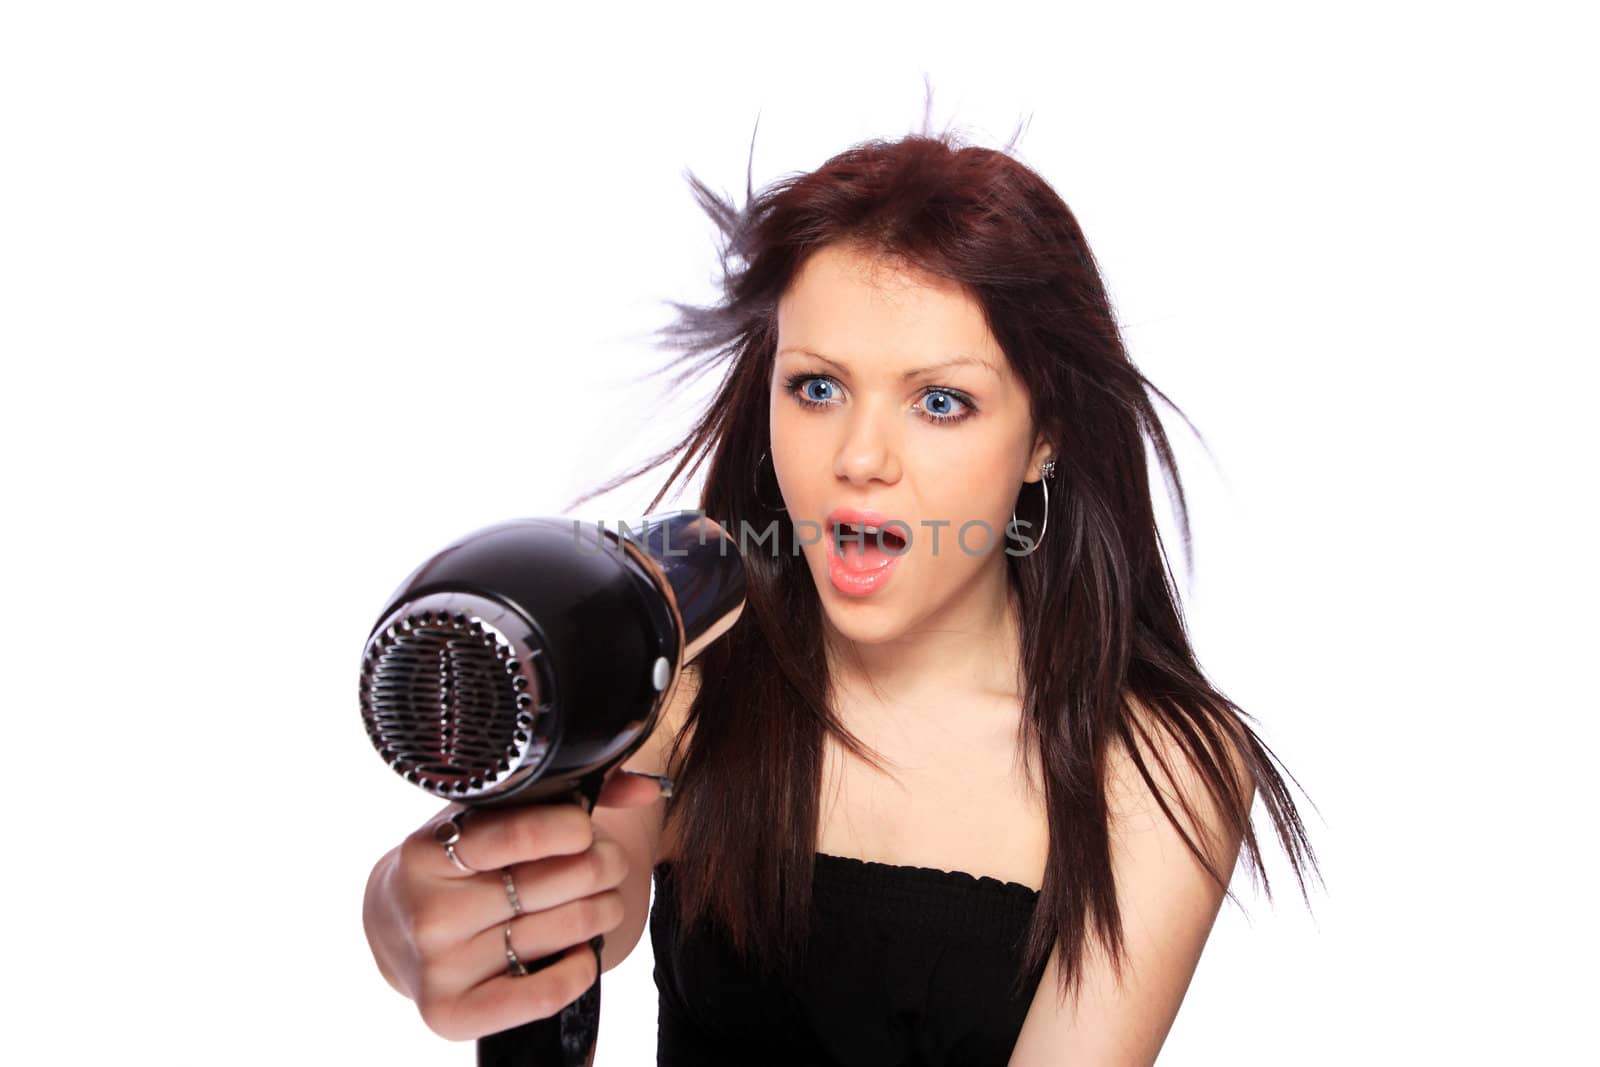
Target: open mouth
point(862, 556)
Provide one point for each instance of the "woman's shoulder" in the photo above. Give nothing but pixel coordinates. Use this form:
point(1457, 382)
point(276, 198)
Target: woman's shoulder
point(1197, 775)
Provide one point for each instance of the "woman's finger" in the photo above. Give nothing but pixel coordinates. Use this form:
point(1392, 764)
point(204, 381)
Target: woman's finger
point(533, 935)
point(506, 1001)
point(491, 838)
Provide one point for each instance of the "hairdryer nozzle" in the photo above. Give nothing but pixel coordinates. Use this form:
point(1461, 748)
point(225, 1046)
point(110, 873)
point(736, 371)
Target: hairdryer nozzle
point(452, 695)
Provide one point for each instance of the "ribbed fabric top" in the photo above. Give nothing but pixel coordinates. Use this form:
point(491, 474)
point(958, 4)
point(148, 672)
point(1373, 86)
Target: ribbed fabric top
point(905, 965)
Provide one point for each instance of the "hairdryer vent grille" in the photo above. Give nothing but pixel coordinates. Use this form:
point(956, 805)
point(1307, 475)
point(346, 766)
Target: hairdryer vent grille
point(447, 702)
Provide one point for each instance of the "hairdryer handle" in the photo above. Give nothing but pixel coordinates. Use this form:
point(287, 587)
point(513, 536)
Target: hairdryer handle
point(567, 1038)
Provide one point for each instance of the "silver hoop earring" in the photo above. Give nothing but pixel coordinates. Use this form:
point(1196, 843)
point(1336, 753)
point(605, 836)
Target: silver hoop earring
point(1046, 469)
point(763, 503)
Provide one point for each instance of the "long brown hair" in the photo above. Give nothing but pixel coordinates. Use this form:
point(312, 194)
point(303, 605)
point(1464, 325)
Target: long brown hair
point(1104, 616)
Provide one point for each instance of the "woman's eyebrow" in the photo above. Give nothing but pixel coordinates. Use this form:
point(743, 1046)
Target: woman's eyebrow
point(957, 361)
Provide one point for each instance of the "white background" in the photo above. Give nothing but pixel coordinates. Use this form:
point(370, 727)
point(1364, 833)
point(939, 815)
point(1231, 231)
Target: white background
point(293, 294)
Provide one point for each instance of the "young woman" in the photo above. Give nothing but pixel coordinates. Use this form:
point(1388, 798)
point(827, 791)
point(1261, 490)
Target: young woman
point(958, 738)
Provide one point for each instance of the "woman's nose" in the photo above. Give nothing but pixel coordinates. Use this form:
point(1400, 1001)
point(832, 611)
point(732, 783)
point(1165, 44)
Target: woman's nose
point(868, 452)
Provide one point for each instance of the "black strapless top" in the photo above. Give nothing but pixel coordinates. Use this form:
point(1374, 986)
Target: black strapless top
point(906, 965)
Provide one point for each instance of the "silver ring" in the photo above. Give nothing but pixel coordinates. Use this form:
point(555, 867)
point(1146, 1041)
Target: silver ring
point(448, 833)
point(514, 966)
point(511, 891)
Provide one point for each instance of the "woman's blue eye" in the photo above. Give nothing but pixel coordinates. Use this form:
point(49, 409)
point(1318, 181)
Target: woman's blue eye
point(812, 395)
point(941, 410)
point(809, 395)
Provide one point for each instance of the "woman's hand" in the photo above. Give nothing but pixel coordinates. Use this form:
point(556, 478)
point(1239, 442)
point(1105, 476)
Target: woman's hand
point(438, 933)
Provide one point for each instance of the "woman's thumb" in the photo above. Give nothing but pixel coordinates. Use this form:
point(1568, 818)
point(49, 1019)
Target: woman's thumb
point(629, 789)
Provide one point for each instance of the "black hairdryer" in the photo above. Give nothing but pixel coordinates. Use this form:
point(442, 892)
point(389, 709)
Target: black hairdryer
point(522, 662)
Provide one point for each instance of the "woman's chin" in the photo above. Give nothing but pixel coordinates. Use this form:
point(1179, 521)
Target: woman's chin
point(867, 617)
point(862, 628)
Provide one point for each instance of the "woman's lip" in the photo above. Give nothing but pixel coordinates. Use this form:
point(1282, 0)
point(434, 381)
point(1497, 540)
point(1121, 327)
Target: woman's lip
point(853, 581)
point(858, 583)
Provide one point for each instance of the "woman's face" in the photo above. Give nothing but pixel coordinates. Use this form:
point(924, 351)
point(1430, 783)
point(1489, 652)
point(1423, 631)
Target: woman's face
point(870, 410)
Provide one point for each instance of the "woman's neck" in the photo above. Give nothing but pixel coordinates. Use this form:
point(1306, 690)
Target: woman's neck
point(973, 648)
